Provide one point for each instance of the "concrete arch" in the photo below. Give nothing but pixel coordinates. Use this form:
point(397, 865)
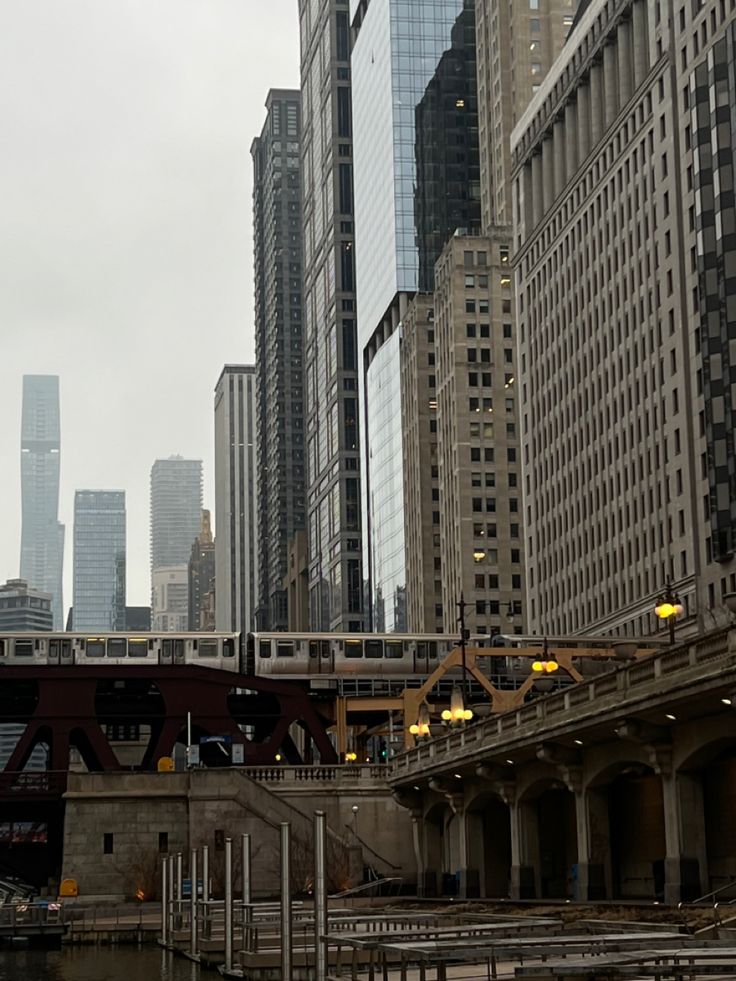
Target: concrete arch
point(602, 765)
point(488, 830)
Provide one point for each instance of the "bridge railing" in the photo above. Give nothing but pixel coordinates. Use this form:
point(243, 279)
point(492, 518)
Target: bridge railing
point(310, 774)
point(698, 654)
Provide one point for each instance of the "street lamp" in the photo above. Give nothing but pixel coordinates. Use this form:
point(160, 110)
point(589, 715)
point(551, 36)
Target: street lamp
point(420, 728)
point(546, 664)
point(463, 637)
point(457, 714)
point(668, 608)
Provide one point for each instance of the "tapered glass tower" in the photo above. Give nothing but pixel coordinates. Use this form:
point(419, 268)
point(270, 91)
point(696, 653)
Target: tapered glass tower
point(42, 536)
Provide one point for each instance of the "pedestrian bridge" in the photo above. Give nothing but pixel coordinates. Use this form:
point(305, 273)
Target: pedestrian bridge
point(618, 787)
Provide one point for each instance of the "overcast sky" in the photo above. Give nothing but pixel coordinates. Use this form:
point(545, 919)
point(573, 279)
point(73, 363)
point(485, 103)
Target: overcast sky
point(125, 232)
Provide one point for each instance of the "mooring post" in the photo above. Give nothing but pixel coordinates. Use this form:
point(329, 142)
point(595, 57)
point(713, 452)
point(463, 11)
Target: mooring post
point(285, 901)
point(320, 896)
point(228, 904)
point(246, 876)
point(193, 904)
point(170, 903)
point(165, 901)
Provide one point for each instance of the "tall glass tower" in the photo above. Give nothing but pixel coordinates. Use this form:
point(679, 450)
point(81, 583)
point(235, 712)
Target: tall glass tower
point(42, 536)
point(415, 120)
point(99, 560)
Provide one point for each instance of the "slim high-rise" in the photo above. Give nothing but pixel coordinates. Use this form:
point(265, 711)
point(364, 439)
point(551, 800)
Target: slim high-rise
point(236, 507)
point(42, 536)
point(99, 560)
point(330, 345)
point(402, 66)
point(176, 506)
point(624, 233)
point(201, 578)
point(277, 248)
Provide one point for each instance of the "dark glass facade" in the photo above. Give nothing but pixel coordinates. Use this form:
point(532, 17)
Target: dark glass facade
point(713, 109)
point(447, 195)
point(277, 249)
point(99, 560)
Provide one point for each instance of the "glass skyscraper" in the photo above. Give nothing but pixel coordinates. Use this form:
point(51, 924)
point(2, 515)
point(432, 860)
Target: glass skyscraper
point(401, 75)
point(99, 560)
point(42, 536)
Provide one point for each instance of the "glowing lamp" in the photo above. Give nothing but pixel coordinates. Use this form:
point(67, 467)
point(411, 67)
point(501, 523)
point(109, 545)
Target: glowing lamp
point(537, 666)
point(414, 729)
point(665, 610)
point(446, 715)
point(467, 715)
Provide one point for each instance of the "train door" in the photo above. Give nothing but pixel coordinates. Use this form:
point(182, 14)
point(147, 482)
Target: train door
point(425, 657)
point(166, 655)
point(321, 659)
point(60, 651)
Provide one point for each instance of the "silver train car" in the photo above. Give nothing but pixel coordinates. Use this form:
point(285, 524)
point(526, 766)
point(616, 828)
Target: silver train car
point(212, 649)
point(335, 656)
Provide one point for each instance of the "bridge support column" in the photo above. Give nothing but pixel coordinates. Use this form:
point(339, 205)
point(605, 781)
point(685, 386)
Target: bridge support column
point(681, 873)
point(416, 836)
point(469, 878)
point(522, 874)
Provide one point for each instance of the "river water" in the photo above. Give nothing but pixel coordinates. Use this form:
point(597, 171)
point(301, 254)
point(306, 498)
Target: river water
point(99, 964)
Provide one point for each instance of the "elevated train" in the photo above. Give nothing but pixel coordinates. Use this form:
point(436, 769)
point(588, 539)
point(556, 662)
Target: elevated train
point(286, 655)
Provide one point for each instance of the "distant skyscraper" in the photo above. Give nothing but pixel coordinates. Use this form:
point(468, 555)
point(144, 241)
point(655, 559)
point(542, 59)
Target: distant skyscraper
point(201, 575)
point(403, 73)
point(279, 360)
point(236, 508)
point(176, 505)
point(42, 536)
point(171, 598)
point(330, 343)
point(99, 560)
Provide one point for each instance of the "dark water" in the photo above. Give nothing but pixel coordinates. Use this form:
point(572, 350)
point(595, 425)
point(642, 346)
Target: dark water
point(99, 964)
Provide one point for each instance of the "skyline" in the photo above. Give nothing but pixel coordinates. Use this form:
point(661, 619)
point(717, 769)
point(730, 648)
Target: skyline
point(139, 220)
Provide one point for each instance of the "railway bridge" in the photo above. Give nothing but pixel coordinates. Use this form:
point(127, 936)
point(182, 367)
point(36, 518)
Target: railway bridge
point(623, 786)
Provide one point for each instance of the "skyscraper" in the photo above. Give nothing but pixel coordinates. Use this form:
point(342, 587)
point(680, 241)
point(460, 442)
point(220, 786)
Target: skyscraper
point(176, 505)
point(400, 77)
point(42, 536)
point(99, 560)
point(624, 208)
point(279, 360)
point(330, 344)
point(201, 578)
point(236, 507)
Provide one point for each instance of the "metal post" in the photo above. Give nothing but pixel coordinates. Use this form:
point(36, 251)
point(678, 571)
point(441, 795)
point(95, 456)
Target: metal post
point(245, 871)
point(170, 904)
point(320, 896)
point(228, 904)
point(671, 622)
point(285, 902)
point(179, 890)
point(205, 873)
point(193, 904)
point(461, 621)
point(165, 901)
point(189, 737)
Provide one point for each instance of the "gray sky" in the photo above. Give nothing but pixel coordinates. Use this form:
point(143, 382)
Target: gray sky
point(125, 231)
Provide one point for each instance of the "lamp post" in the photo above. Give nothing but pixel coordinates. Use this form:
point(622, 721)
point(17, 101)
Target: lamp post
point(544, 666)
point(669, 608)
point(461, 620)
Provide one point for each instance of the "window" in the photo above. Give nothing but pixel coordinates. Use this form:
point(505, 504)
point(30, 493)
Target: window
point(107, 843)
point(163, 842)
point(116, 647)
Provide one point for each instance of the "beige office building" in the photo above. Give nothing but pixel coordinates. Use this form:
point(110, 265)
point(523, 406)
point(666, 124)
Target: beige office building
point(624, 223)
point(517, 42)
point(461, 479)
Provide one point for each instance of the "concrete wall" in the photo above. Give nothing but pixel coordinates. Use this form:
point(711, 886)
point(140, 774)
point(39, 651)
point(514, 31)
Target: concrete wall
point(206, 806)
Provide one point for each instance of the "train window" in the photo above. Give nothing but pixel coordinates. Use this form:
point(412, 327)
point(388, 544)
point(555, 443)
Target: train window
point(228, 647)
point(374, 648)
point(167, 647)
point(137, 647)
point(325, 648)
point(394, 648)
point(2, 648)
point(207, 648)
point(178, 650)
point(95, 647)
point(265, 648)
point(353, 648)
point(433, 648)
point(285, 648)
point(117, 647)
point(23, 648)
point(314, 648)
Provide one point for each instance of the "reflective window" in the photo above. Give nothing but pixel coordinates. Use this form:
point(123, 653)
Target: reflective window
point(353, 648)
point(95, 647)
point(24, 648)
point(207, 648)
point(374, 648)
point(117, 647)
point(285, 648)
point(137, 647)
